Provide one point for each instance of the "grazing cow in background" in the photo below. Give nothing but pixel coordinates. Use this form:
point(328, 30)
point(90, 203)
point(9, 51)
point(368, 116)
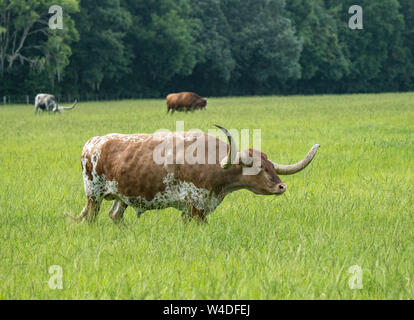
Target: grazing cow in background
point(185, 101)
point(48, 103)
point(124, 168)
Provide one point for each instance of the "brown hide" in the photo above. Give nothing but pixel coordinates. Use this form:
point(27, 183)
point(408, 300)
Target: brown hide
point(185, 101)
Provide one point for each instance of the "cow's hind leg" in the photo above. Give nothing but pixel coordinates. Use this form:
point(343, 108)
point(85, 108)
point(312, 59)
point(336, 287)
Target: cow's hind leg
point(90, 211)
point(194, 214)
point(94, 206)
point(117, 211)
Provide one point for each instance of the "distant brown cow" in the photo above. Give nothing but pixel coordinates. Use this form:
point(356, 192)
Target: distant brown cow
point(185, 101)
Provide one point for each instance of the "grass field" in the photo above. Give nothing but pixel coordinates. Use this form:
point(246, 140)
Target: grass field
point(352, 206)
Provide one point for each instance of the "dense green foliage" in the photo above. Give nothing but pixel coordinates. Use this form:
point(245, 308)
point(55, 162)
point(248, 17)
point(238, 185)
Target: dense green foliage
point(352, 206)
point(148, 48)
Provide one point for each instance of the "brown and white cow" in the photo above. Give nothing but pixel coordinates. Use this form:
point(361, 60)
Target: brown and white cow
point(185, 101)
point(124, 168)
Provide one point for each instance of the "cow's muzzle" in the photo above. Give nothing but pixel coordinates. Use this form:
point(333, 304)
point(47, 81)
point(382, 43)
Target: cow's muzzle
point(280, 189)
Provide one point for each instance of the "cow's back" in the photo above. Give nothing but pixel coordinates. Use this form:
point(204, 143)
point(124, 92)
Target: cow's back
point(188, 98)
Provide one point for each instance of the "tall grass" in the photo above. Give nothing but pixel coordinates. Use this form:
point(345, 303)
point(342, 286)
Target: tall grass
point(352, 206)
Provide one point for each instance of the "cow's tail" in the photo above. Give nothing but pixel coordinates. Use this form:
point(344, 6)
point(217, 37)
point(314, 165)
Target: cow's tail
point(72, 218)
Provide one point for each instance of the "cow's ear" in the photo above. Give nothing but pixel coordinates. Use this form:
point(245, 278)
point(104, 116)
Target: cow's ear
point(244, 159)
point(248, 160)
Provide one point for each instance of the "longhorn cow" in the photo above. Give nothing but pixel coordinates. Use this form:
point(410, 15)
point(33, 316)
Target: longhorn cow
point(48, 102)
point(125, 169)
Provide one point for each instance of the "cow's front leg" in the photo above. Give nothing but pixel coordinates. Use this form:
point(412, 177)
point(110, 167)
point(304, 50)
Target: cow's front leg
point(54, 107)
point(117, 211)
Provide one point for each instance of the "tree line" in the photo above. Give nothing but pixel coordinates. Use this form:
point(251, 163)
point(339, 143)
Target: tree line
point(148, 48)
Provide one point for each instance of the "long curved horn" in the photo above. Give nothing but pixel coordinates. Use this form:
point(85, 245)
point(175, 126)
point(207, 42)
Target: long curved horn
point(294, 168)
point(233, 153)
point(71, 107)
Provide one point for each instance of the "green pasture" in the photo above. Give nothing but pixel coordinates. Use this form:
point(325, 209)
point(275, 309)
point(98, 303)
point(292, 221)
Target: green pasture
point(354, 205)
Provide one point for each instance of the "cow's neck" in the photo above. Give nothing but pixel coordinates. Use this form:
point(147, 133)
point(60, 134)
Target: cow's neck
point(231, 180)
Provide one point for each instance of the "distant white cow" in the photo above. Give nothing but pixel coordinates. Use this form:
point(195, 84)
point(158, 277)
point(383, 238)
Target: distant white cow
point(48, 102)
